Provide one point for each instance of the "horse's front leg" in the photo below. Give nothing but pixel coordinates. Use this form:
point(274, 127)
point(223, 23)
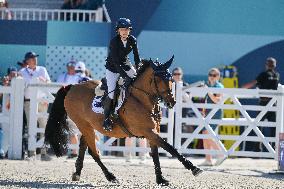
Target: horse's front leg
point(156, 139)
point(155, 155)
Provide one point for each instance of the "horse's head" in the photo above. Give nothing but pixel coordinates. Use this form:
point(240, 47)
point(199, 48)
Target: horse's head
point(163, 81)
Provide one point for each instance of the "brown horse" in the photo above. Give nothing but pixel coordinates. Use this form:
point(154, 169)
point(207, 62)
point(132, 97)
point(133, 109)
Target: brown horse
point(137, 114)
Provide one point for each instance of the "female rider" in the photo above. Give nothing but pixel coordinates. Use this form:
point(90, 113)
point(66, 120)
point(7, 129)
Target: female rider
point(117, 63)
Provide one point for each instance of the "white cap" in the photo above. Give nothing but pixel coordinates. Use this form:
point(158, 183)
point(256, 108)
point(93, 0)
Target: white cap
point(80, 66)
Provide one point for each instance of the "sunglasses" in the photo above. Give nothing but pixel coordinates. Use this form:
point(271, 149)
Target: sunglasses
point(212, 75)
point(176, 73)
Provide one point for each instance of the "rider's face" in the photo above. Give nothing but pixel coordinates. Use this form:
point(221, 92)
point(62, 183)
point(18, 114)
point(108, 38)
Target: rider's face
point(124, 33)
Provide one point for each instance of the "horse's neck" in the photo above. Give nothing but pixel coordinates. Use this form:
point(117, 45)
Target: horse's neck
point(143, 83)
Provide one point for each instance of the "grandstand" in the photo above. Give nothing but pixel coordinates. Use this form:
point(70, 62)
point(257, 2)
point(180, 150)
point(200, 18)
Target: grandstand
point(36, 4)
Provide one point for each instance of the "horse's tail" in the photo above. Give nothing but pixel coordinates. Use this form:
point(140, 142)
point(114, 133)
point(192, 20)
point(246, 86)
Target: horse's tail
point(56, 129)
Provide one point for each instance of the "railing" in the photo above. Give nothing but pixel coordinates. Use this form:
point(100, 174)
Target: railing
point(55, 15)
point(248, 122)
point(11, 118)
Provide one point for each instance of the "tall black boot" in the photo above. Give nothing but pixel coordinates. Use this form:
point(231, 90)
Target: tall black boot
point(127, 82)
point(107, 125)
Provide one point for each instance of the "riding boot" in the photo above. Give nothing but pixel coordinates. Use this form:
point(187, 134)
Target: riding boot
point(107, 125)
point(127, 82)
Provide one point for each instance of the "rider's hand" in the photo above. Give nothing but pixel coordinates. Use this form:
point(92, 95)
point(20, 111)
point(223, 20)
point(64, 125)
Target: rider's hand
point(131, 73)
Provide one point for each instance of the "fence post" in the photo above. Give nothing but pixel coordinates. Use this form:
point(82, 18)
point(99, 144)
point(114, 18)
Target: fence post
point(33, 117)
point(16, 119)
point(279, 118)
point(178, 115)
point(171, 119)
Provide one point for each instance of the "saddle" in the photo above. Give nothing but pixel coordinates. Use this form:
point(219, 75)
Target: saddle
point(101, 91)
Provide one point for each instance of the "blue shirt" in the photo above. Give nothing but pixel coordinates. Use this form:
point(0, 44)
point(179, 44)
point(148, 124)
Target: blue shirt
point(216, 85)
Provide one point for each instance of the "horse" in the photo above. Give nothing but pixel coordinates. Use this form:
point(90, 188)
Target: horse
point(138, 115)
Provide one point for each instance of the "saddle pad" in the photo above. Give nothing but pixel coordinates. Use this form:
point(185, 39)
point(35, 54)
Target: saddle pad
point(97, 105)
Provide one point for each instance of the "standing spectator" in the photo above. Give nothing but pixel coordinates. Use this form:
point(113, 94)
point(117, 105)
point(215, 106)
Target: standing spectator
point(213, 81)
point(178, 77)
point(68, 78)
point(32, 74)
point(81, 70)
point(268, 79)
point(142, 143)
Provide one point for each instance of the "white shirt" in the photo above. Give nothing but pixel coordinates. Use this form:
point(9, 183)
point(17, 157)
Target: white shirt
point(33, 76)
point(68, 79)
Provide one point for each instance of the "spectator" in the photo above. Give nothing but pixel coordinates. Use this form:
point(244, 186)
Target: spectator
point(142, 143)
point(94, 4)
point(213, 81)
point(68, 78)
point(32, 74)
point(81, 70)
point(4, 6)
point(268, 79)
point(178, 77)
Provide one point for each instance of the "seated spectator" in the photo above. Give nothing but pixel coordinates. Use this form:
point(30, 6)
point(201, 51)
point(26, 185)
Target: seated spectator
point(4, 6)
point(94, 4)
point(31, 74)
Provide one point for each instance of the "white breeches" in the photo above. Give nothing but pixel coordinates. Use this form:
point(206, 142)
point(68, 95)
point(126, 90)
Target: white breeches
point(111, 82)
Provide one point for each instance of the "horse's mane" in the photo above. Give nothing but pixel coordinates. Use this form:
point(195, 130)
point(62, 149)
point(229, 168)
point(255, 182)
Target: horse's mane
point(145, 65)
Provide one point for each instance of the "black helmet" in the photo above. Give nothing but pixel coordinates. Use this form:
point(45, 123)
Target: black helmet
point(123, 23)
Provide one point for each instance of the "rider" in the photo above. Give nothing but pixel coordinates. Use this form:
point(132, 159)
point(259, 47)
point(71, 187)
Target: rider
point(117, 63)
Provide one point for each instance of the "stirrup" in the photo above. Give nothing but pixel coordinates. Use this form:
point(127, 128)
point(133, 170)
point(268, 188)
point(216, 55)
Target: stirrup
point(107, 126)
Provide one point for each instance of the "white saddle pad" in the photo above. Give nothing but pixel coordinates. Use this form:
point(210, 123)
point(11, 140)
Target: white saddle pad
point(97, 106)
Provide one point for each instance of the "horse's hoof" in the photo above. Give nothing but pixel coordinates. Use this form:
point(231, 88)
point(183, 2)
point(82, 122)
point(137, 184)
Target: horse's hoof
point(196, 171)
point(162, 181)
point(110, 177)
point(75, 177)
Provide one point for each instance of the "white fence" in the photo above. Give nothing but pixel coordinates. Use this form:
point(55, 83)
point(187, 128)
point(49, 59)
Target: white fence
point(11, 118)
point(55, 14)
point(246, 121)
point(174, 120)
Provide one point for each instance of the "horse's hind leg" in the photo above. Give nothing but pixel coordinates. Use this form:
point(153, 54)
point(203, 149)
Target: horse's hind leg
point(109, 176)
point(156, 139)
point(155, 155)
point(90, 138)
point(80, 159)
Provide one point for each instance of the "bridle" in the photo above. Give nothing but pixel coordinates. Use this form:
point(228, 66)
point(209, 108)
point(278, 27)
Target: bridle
point(158, 96)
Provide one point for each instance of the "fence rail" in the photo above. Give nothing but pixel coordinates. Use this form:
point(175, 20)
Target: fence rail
point(174, 120)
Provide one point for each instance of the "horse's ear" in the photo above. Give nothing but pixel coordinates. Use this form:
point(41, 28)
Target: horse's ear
point(153, 65)
point(168, 64)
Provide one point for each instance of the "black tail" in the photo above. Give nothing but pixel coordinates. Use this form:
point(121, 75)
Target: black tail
point(56, 131)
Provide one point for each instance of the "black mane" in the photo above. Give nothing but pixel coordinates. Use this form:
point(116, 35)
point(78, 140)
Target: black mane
point(145, 64)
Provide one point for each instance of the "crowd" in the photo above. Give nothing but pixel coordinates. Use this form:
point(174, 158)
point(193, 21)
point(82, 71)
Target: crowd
point(31, 72)
point(82, 4)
